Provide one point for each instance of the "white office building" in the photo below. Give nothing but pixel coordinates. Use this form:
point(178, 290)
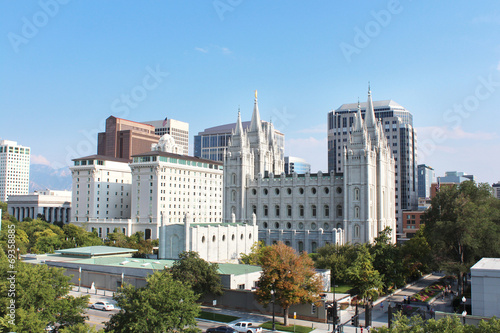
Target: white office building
point(179, 130)
point(166, 186)
point(401, 137)
point(14, 169)
point(52, 206)
point(101, 191)
point(176, 198)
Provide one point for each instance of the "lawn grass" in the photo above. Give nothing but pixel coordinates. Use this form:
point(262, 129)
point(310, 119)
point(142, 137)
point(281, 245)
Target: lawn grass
point(217, 317)
point(299, 329)
point(342, 288)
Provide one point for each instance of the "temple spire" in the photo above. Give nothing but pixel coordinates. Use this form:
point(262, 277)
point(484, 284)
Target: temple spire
point(370, 113)
point(358, 124)
point(255, 125)
point(239, 126)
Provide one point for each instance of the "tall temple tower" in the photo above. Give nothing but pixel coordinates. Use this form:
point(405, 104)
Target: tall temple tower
point(251, 153)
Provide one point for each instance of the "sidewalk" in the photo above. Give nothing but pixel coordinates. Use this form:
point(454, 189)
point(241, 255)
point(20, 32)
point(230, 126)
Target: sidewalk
point(379, 315)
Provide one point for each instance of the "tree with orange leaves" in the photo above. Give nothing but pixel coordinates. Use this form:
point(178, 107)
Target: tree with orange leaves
point(289, 276)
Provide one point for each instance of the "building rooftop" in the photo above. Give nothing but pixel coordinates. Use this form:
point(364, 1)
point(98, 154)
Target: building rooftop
point(91, 251)
point(103, 158)
point(228, 128)
point(227, 269)
point(491, 264)
point(178, 156)
point(389, 103)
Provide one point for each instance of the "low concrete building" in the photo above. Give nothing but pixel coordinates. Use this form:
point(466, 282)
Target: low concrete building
point(53, 206)
point(108, 267)
point(485, 287)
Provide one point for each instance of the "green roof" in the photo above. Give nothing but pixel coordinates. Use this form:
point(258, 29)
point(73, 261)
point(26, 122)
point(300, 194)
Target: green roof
point(128, 262)
point(238, 269)
point(91, 251)
point(234, 269)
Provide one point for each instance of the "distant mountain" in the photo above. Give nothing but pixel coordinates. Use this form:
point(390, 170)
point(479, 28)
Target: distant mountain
point(45, 177)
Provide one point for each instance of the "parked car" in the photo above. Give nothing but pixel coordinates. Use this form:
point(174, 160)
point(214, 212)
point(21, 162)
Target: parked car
point(104, 306)
point(221, 329)
point(246, 327)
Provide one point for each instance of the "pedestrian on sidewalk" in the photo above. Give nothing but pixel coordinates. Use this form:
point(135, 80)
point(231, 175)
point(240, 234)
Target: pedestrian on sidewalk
point(382, 306)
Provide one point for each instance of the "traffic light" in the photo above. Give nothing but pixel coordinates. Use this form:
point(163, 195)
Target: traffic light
point(329, 313)
point(335, 313)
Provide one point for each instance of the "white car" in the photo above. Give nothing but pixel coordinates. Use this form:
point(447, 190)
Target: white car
point(246, 327)
point(104, 306)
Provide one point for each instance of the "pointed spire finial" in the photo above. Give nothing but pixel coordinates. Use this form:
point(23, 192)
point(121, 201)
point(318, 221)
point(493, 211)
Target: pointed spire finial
point(358, 122)
point(369, 113)
point(255, 124)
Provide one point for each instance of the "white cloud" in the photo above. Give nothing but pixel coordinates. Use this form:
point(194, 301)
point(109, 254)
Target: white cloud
point(314, 151)
point(215, 48)
point(320, 128)
point(39, 159)
point(443, 133)
point(201, 49)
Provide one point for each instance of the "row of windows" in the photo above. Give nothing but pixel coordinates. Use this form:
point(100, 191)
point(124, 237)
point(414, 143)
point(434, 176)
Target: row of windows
point(301, 210)
point(223, 238)
point(277, 191)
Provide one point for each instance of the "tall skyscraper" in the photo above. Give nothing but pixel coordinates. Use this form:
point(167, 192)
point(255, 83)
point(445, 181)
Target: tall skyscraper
point(297, 165)
point(213, 142)
point(124, 138)
point(425, 179)
point(179, 130)
point(14, 169)
point(397, 123)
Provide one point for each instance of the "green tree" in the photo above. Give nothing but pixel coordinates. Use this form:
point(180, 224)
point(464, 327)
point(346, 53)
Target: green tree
point(287, 278)
point(75, 236)
point(201, 275)
point(163, 305)
point(46, 241)
point(417, 255)
point(80, 328)
point(255, 255)
point(462, 226)
point(41, 298)
point(363, 276)
point(387, 259)
point(336, 258)
point(448, 324)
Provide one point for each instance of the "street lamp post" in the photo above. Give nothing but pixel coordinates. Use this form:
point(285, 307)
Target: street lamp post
point(79, 278)
point(464, 313)
point(273, 299)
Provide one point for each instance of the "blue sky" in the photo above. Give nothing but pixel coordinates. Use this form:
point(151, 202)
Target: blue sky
point(65, 66)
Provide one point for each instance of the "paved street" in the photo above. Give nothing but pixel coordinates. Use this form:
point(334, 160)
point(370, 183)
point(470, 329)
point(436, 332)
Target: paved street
point(379, 315)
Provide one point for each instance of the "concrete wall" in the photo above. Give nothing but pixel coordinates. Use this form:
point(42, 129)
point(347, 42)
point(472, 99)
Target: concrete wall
point(245, 300)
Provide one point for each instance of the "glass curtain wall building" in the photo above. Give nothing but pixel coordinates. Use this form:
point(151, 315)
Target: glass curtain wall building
point(397, 123)
point(212, 142)
point(297, 165)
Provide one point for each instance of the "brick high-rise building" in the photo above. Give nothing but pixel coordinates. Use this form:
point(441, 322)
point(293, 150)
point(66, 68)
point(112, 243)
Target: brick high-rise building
point(124, 138)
